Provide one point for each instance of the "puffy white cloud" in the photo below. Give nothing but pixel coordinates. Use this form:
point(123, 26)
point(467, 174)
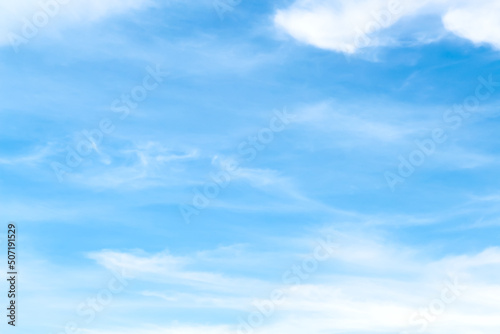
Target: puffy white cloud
point(478, 21)
point(338, 25)
point(347, 26)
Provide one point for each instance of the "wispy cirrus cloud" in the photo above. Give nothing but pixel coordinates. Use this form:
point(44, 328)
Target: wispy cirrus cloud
point(369, 285)
point(354, 123)
point(134, 165)
point(37, 156)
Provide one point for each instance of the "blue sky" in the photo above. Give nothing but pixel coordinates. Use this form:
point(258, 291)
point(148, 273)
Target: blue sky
point(316, 104)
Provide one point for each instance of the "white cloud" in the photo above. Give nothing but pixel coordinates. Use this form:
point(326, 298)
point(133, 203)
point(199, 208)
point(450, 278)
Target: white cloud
point(343, 25)
point(166, 269)
point(39, 155)
point(132, 264)
point(349, 25)
point(385, 288)
point(257, 178)
point(144, 165)
point(354, 124)
point(370, 286)
point(477, 21)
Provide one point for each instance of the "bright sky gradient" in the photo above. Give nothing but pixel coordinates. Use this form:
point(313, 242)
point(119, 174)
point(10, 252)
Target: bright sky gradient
point(369, 124)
